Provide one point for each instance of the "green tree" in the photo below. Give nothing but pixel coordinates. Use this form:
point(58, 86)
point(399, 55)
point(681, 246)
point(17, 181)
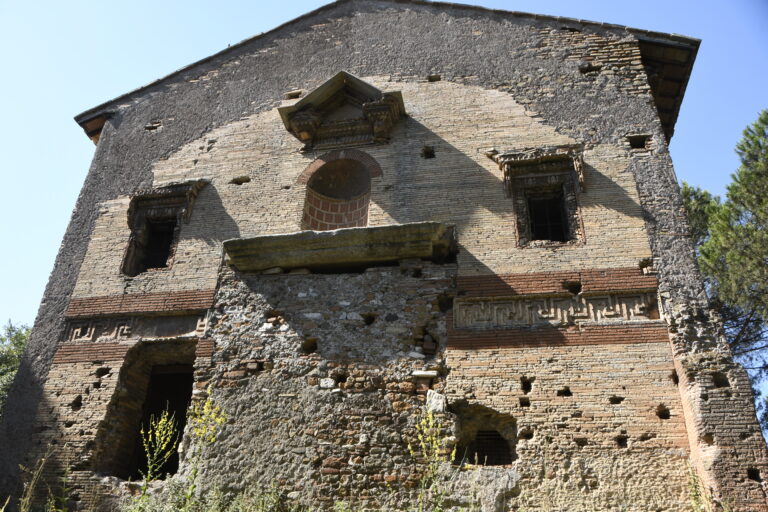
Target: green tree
point(13, 339)
point(731, 241)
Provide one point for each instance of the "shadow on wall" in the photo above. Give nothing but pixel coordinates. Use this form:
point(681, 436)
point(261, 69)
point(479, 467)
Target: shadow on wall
point(464, 193)
point(209, 211)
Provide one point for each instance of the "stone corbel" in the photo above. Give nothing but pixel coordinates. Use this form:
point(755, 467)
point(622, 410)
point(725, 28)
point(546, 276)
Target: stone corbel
point(304, 125)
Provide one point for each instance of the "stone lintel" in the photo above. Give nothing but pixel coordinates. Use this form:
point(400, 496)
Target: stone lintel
point(352, 247)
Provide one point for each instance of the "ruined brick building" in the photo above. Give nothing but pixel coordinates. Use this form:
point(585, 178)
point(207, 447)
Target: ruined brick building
point(384, 204)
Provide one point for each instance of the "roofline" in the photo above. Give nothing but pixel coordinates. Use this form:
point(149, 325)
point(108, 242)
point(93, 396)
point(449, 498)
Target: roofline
point(647, 35)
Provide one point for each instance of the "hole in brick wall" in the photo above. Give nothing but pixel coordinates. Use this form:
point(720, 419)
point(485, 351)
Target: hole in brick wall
point(720, 380)
point(571, 29)
point(745, 435)
point(340, 377)
point(621, 440)
point(525, 401)
point(292, 95)
point(96, 384)
point(434, 78)
point(285, 187)
point(526, 433)
point(526, 384)
point(615, 400)
point(309, 345)
point(239, 180)
point(77, 403)
point(705, 397)
point(368, 318)
point(589, 67)
point(566, 391)
point(484, 436)
point(662, 411)
point(153, 125)
point(674, 377)
point(754, 474)
point(68, 424)
point(488, 448)
point(581, 442)
point(647, 436)
point(100, 372)
point(417, 272)
point(573, 287)
point(708, 439)
point(641, 141)
point(444, 302)
point(428, 152)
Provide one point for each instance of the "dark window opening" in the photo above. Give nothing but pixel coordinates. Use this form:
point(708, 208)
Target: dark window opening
point(488, 448)
point(547, 217)
point(160, 238)
point(639, 141)
point(170, 389)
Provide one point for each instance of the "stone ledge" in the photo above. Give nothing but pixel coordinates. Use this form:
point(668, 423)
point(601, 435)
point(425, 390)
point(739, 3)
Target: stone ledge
point(349, 247)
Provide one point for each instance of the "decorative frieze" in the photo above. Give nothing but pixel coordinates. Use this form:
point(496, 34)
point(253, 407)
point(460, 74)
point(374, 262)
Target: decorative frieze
point(557, 311)
point(107, 329)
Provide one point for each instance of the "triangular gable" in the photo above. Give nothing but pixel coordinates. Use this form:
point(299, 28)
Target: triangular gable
point(343, 111)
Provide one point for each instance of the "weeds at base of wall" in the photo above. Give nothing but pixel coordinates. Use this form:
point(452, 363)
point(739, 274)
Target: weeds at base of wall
point(700, 498)
point(205, 421)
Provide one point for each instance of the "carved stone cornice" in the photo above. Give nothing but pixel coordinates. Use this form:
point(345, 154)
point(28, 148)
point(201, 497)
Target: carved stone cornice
point(541, 160)
point(370, 119)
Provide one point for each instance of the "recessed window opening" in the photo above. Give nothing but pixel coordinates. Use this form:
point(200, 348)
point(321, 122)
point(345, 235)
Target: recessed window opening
point(170, 389)
point(488, 448)
point(160, 238)
point(547, 217)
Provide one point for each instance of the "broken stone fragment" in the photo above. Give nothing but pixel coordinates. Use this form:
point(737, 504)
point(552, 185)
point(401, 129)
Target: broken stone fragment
point(435, 401)
point(424, 374)
point(327, 383)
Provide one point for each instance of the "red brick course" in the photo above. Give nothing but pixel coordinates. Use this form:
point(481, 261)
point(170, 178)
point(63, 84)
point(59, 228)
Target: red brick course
point(551, 336)
point(90, 352)
point(599, 280)
point(160, 302)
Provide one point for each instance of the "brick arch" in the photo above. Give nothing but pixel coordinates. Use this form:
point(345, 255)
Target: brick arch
point(370, 163)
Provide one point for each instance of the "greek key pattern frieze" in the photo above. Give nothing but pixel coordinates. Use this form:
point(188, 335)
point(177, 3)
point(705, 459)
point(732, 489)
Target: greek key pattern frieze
point(555, 311)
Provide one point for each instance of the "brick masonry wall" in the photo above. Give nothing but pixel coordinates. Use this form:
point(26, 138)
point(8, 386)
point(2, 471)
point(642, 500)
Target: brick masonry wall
point(630, 208)
point(573, 459)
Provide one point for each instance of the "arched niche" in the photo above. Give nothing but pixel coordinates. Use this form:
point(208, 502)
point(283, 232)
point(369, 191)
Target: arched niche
point(338, 190)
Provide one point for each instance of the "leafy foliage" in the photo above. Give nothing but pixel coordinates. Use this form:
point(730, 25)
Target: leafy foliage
point(731, 241)
point(13, 339)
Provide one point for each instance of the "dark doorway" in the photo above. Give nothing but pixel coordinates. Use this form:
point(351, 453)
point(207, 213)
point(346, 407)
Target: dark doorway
point(170, 389)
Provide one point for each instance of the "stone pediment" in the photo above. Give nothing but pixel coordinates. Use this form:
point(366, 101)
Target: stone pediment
point(344, 111)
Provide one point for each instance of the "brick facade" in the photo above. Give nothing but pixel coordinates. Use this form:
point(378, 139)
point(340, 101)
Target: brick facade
point(593, 357)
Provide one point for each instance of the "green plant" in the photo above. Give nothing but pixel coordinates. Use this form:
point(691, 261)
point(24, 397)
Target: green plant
point(13, 339)
point(431, 450)
point(159, 439)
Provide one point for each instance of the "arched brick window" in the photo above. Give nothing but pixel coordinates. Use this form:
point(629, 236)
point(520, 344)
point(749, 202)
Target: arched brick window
point(338, 190)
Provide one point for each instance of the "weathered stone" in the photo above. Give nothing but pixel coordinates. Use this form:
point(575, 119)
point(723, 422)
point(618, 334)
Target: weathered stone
point(342, 247)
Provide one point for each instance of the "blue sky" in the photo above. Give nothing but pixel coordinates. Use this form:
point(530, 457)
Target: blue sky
point(61, 58)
